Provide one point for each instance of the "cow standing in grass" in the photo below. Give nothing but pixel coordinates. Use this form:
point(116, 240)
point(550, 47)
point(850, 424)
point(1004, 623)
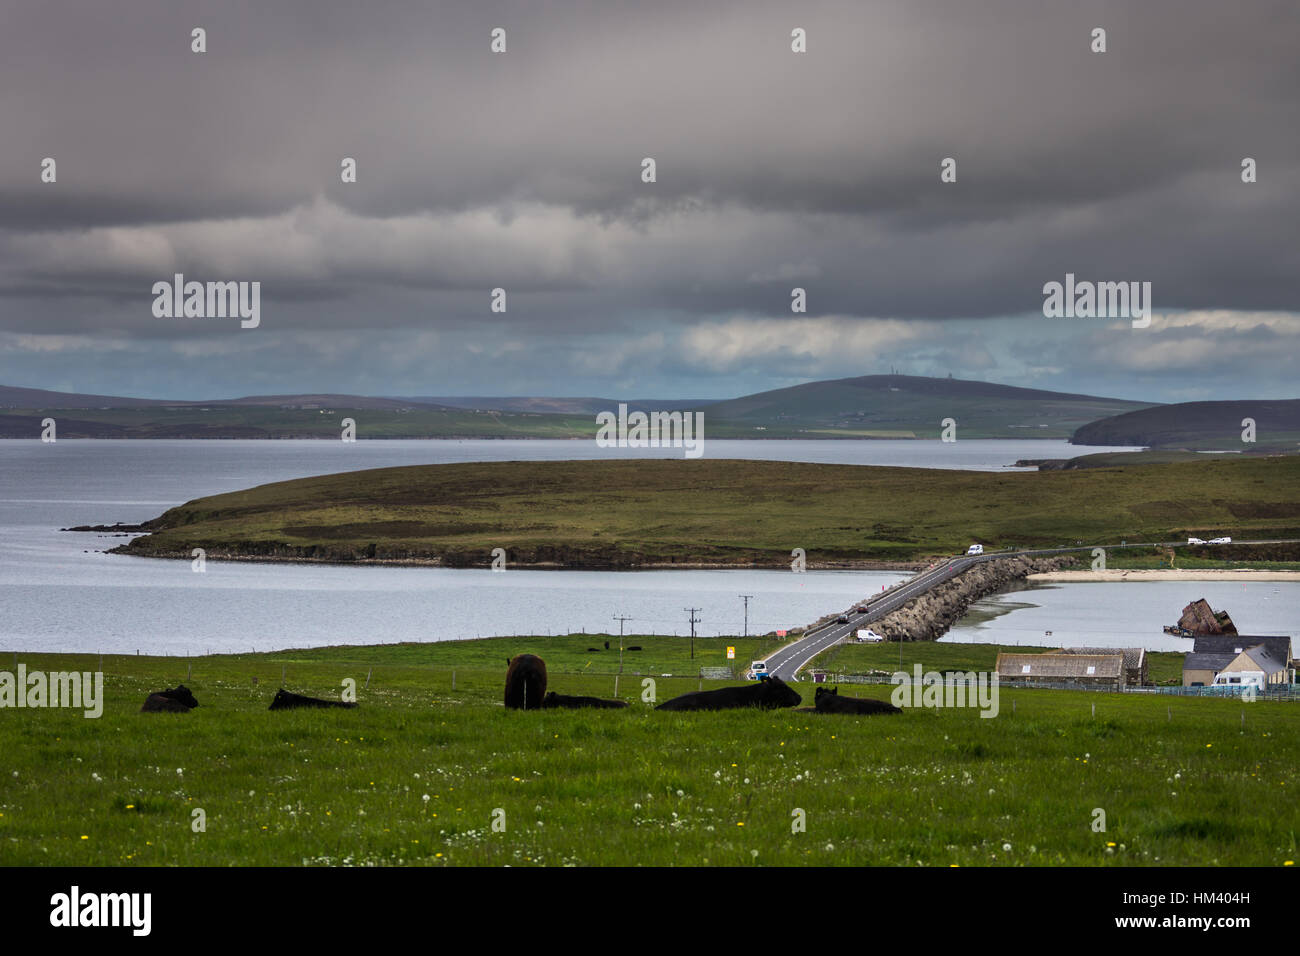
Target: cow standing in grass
point(526, 682)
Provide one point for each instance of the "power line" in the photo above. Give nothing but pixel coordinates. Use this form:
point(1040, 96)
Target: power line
point(746, 598)
point(694, 621)
point(620, 620)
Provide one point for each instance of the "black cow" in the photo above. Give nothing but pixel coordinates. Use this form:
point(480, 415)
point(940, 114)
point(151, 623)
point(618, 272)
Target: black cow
point(177, 700)
point(830, 702)
point(284, 700)
point(634, 647)
point(562, 700)
point(595, 649)
point(769, 693)
point(526, 682)
point(607, 645)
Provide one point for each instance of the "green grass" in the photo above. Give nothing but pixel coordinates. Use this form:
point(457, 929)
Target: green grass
point(613, 514)
point(1162, 667)
point(1182, 781)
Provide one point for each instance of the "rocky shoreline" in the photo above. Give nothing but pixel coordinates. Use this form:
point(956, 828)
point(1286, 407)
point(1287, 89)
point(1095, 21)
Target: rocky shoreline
point(543, 559)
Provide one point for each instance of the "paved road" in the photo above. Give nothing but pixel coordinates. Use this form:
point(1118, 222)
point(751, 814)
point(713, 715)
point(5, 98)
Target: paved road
point(787, 662)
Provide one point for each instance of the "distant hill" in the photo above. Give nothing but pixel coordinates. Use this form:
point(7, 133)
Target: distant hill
point(1199, 426)
point(911, 406)
point(14, 397)
point(561, 406)
point(873, 406)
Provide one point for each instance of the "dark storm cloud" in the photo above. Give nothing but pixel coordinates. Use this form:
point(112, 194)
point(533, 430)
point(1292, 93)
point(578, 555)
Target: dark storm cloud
point(523, 170)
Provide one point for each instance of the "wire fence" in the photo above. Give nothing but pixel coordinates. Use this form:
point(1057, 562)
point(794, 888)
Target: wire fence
point(1270, 692)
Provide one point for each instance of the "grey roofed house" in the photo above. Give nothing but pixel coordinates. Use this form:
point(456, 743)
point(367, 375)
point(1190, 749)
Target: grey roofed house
point(1135, 660)
point(1207, 662)
point(1278, 645)
point(1054, 666)
point(1268, 661)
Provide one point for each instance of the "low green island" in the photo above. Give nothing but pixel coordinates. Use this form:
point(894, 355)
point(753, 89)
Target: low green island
point(731, 513)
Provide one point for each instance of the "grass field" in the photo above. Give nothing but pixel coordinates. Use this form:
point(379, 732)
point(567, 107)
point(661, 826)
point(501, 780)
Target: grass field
point(418, 773)
point(632, 513)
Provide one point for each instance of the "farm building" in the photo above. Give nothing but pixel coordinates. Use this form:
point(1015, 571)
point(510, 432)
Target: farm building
point(1135, 661)
point(1239, 660)
point(1058, 667)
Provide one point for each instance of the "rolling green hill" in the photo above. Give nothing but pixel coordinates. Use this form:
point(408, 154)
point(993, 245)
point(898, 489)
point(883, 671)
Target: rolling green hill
point(908, 406)
point(877, 406)
point(623, 514)
point(1199, 425)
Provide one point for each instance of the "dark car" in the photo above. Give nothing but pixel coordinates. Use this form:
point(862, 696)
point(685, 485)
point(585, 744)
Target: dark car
point(842, 619)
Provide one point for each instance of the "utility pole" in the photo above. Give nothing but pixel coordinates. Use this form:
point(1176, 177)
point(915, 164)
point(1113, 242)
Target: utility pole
point(745, 598)
point(694, 621)
point(620, 620)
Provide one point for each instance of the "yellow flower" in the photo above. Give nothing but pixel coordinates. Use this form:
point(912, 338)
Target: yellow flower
point(739, 823)
point(84, 837)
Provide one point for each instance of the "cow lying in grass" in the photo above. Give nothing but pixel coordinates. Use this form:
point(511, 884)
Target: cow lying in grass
point(526, 682)
point(562, 700)
point(178, 700)
point(768, 693)
point(830, 702)
point(284, 700)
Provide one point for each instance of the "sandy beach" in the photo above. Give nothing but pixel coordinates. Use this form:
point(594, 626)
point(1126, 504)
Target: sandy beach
point(1169, 574)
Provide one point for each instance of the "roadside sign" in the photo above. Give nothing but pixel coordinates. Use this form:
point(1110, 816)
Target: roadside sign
point(780, 633)
point(731, 653)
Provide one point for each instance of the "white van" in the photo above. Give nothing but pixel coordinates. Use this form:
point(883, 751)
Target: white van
point(1195, 541)
point(867, 636)
point(975, 549)
point(757, 670)
point(1220, 541)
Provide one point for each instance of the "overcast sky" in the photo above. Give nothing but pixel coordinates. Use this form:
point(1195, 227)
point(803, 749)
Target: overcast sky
point(523, 170)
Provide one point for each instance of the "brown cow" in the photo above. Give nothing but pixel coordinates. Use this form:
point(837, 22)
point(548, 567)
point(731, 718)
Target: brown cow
point(526, 682)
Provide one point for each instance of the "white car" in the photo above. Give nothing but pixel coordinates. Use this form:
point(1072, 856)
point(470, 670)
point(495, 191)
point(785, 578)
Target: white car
point(1220, 541)
point(975, 549)
point(867, 636)
point(1195, 541)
